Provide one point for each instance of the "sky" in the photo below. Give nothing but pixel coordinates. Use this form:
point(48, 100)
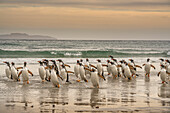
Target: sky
point(87, 19)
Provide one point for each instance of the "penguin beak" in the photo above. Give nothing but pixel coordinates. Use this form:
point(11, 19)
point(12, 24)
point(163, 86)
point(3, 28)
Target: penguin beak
point(38, 61)
point(4, 62)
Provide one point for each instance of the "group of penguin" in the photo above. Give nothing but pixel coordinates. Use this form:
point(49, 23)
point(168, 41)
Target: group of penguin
point(55, 70)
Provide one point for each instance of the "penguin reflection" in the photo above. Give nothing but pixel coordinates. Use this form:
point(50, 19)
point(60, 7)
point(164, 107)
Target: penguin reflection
point(94, 97)
point(163, 91)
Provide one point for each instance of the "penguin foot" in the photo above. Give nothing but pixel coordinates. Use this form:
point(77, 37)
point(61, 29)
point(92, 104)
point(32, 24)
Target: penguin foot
point(86, 80)
point(18, 80)
point(43, 80)
point(148, 75)
point(58, 86)
point(78, 80)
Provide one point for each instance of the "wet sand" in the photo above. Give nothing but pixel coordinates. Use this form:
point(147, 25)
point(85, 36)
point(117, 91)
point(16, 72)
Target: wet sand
point(117, 96)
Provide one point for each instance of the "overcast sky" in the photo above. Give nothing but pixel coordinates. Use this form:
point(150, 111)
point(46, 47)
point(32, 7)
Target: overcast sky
point(87, 19)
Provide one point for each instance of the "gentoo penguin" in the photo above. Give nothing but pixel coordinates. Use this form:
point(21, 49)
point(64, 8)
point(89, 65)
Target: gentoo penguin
point(108, 67)
point(47, 69)
point(113, 70)
point(148, 66)
point(100, 68)
point(122, 65)
point(42, 71)
point(82, 72)
point(54, 77)
point(76, 70)
point(63, 72)
point(56, 69)
point(167, 64)
point(14, 72)
point(87, 64)
point(81, 61)
point(8, 70)
point(25, 73)
point(168, 68)
point(60, 64)
point(117, 64)
point(134, 69)
point(163, 74)
point(94, 78)
point(162, 62)
point(127, 72)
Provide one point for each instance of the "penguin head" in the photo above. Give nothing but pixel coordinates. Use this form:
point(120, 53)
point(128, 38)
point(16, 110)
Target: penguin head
point(112, 63)
point(148, 60)
point(167, 61)
point(87, 60)
point(59, 60)
point(12, 63)
point(45, 63)
point(81, 60)
point(45, 60)
point(108, 61)
point(41, 63)
point(98, 60)
point(8, 64)
point(63, 66)
point(161, 59)
point(121, 61)
point(111, 56)
point(53, 61)
point(131, 60)
point(78, 61)
point(25, 63)
point(114, 59)
point(162, 66)
point(52, 67)
point(93, 70)
point(80, 64)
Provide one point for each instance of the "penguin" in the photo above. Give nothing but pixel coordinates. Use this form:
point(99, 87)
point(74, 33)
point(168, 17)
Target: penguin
point(134, 69)
point(163, 74)
point(25, 73)
point(14, 72)
point(94, 78)
point(87, 64)
point(113, 70)
point(147, 68)
point(162, 62)
point(76, 70)
point(8, 70)
point(127, 72)
point(63, 72)
point(47, 69)
point(122, 65)
point(54, 77)
point(42, 71)
point(168, 68)
point(82, 72)
point(56, 69)
point(118, 66)
point(100, 68)
point(108, 67)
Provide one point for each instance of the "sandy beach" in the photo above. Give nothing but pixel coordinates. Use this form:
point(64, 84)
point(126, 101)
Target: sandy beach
point(118, 96)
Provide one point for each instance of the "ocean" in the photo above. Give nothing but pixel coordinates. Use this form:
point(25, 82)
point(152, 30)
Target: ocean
point(83, 48)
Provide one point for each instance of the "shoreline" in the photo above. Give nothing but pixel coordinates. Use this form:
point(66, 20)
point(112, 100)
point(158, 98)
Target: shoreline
point(140, 95)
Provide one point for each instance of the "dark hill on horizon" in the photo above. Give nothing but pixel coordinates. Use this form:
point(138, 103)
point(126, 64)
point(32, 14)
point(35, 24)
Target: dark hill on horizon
point(24, 36)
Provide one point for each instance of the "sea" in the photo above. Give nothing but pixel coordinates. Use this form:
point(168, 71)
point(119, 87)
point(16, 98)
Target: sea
point(83, 49)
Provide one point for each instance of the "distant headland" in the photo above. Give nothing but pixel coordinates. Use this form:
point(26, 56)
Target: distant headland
point(24, 36)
